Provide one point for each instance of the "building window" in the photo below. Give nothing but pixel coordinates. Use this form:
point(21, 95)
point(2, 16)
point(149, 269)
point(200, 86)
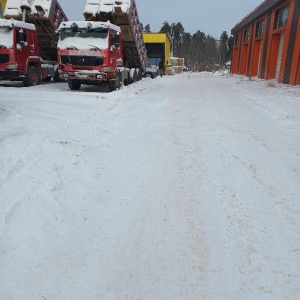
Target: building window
point(260, 29)
point(246, 35)
point(236, 40)
point(281, 17)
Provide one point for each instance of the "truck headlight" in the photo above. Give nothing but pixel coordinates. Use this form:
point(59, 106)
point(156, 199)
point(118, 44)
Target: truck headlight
point(12, 66)
point(105, 69)
point(99, 76)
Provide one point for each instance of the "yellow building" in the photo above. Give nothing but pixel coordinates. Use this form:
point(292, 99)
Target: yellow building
point(2, 7)
point(158, 47)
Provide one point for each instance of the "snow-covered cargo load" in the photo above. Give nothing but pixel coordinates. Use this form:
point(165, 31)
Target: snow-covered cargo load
point(46, 15)
point(123, 14)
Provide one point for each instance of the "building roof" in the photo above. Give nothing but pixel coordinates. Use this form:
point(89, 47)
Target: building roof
point(255, 14)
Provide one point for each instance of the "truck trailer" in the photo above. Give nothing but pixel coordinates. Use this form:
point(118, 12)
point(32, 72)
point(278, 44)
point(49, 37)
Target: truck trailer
point(105, 49)
point(28, 50)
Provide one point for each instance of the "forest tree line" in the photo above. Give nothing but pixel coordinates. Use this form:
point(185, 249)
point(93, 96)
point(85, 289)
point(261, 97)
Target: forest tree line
point(201, 52)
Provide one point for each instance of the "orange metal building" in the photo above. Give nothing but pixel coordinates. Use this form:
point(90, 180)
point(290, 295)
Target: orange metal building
point(267, 42)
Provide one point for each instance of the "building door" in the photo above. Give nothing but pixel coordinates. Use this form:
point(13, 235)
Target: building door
point(279, 57)
point(256, 58)
point(298, 73)
point(244, 59)
point(235, 59)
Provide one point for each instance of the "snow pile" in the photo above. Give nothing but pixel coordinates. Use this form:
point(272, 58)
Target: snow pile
point(220, 73)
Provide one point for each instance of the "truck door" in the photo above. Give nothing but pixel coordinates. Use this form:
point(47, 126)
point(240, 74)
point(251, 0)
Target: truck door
point(22, 48)
point(114, 48)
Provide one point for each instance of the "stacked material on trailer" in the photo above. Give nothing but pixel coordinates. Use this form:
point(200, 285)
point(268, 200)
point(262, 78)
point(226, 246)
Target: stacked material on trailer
point(123, 14)
point(46, 15)
point(176, 64)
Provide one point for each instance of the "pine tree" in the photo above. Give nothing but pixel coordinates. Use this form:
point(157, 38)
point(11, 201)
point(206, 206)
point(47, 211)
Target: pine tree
point(223, 48)
point(147, 29)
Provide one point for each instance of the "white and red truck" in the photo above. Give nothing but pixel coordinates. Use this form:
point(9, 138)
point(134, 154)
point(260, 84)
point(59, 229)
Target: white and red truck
point(105, 49)
point(28, 40)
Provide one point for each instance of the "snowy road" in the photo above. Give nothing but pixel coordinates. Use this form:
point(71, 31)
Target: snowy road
point(184, 187)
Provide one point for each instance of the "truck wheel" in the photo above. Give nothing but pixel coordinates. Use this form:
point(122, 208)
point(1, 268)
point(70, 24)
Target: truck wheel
point(32, 77)
point(149, 75)
point(114, 84)
point(139, 74)
point(127, 78)
point(56, 76)
point(74, 85)
point(133, 76)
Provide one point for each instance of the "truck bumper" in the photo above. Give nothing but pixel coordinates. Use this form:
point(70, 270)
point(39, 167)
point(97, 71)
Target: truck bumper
point(7, 74)
point(83, 76)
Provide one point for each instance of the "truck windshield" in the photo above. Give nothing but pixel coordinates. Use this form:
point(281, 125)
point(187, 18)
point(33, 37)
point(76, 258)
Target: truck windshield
point(83, 38)
point(6, 37)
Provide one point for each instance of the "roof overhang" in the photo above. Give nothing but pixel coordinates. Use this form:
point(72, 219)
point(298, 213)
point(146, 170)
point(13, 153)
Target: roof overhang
point(256, 14)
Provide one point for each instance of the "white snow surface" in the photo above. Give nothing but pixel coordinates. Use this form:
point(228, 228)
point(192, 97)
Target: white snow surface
point(96, 6)
point(13, 7)
point(6, 37)
point(83, 43)
point(86, 43)
point(182, 187)
point(12, 22)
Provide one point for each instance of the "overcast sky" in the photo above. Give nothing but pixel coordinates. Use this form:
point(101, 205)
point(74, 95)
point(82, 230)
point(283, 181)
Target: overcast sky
point(210, 16)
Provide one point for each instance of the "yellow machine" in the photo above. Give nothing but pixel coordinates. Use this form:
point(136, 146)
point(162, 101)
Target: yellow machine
point(2, 7)
point(158, 47)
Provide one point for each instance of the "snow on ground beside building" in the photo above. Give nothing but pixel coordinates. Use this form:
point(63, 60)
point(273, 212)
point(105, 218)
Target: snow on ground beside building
point(183, 187)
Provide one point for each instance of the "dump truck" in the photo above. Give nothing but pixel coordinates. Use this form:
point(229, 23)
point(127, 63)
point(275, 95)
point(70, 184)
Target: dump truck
point(28, 41)
point(105, 49)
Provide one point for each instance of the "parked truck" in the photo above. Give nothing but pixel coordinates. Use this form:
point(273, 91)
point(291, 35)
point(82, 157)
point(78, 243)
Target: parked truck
point(105, 49)
point(28, 41)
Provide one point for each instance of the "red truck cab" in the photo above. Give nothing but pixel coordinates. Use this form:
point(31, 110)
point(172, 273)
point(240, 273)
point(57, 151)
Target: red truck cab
point(19, 52)
point(90, 53)
point(23, 43)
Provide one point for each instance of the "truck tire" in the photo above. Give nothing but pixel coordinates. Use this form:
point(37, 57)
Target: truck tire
point(126, 79)
point(74, 85)
point(114, 84)
point(139, 74)
point(149, 75)
point(56, 76)
point(32, 78)
point(133, 76)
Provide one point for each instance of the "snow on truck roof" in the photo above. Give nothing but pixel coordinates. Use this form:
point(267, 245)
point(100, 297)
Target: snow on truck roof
point(13, 7)
point(12, 23)
point(84, 24)
point(95, 6)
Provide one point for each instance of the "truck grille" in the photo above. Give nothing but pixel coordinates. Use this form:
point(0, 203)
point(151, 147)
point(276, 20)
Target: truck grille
point(4, 58)
point(82, 60)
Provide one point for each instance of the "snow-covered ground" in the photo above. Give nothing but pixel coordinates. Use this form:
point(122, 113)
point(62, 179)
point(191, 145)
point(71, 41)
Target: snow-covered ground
point(184, 187)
